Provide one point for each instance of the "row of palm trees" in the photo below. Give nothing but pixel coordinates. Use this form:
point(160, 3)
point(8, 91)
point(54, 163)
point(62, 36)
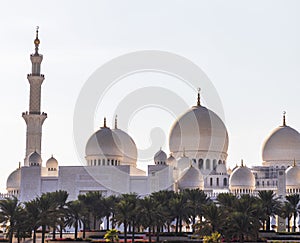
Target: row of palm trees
point(231, 216)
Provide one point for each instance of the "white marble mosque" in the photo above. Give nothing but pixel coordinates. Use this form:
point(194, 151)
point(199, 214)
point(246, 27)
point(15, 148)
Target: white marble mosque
point(198, 142)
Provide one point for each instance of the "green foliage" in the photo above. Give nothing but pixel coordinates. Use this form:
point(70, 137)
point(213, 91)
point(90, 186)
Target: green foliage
point(215, 237)
point(112, 235)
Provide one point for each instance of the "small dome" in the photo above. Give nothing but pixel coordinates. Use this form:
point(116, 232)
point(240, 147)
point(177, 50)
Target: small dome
point(183, 162)
point(191, 179)
point(128, 147)
point(198, 130)
point(160, 157)
point(282, 145)
point(35, 159)
point(104, 143)
point(293, 177)
point(221, 169)
point(52, 163)
point(14, 180)
point(171, 160)
point(242, 177)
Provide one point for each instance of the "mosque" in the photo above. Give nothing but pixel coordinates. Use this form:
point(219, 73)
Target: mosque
point(198, 142)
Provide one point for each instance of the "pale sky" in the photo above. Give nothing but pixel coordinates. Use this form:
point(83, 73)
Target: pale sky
point(249, 50)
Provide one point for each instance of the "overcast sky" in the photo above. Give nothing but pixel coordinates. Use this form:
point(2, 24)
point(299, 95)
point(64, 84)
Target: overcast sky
point(248, 49)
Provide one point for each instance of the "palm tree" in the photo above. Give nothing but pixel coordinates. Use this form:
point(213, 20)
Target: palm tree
point(213, 216)
point(149, 213)
point(108, 205)
point(75, 216)
point(124, 210)
point(180, 209)
point(59, 199)
point(294, 201)
point(269, 205)
point(10, 211)
point(286, 213)
point(93, 201)
point(196, 200)
point(32, 212)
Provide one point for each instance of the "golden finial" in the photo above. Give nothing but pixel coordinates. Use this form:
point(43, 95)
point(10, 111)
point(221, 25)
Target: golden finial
point(116, 121)
point(104, 124)
point(37, 41)
point(19, 165)
point(198, 99)
point(242, 163)
point(294, 163)
point(284, 123)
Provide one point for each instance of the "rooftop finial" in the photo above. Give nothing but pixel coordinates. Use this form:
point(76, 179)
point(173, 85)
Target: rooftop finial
point(242, 163)
point(198, 99)
point(284, 123)
point(294, 163)
point(104, 124)
point(116, 121)
point(37, 41)
point(184, 152)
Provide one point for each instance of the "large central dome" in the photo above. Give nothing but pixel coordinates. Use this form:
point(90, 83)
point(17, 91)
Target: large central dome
point(199, 130)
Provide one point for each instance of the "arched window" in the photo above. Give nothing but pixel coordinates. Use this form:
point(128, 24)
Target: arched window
point(225, 182)
point(218, 181)
point(214, 163)
point(211, 182)
point(108, 162)
point(95, 162)
point(200, 164)
point(220, 162)
point(99, 161)
point(207, 164)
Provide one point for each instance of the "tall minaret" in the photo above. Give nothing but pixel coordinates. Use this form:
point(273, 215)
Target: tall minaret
point(34, 118)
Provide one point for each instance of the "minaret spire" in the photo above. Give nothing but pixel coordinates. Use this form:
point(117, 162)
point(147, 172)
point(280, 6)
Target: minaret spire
point(37, 41)
point(198, 98)
point(34, 118)
point(116, 121)
point(104, 122)
point(284, 123)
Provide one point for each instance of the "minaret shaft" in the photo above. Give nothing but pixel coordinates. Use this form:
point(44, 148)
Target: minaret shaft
point(34, 118)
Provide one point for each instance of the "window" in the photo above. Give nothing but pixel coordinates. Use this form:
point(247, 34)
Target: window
point(200, 164)
point(214, 163)
point(225, 182)
point(211, 181)
point(217, 181)
point(220, 162)
point(207, 164)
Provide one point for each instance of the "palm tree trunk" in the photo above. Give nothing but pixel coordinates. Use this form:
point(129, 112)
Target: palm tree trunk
point(294, 222)
point(84, 228)
point(18, 236)
point(180, 225)
point(10, 236)
point(76, 230)
point(288, 224)
point(176, 229)
point(125, 231)
point(53, 233)
point(133, 229)
point(94, 222)
point(34, 236)
point(268, 224)
point(150, 234)
point(43, 233)
point(157, 234)
point(61, 230)
point(107, 222)
point(194, 222)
